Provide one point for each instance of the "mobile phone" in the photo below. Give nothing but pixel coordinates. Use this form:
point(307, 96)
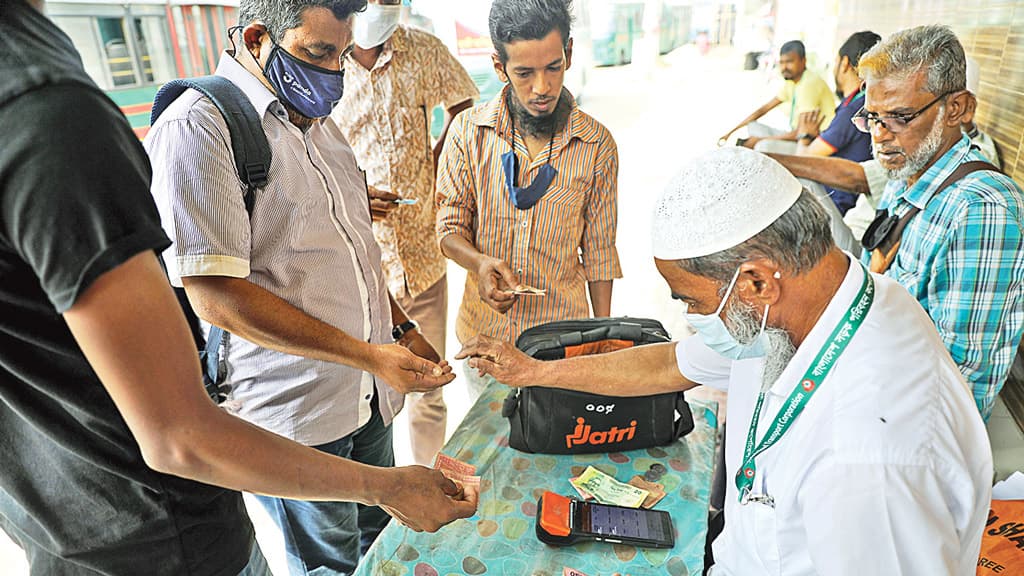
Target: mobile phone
point(563, 521)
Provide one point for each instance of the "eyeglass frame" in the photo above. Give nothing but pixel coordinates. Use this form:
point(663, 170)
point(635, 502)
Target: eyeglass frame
point(870, 117)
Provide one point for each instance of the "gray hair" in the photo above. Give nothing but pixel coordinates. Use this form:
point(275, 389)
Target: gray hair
point(279, 16)
point(797, 241)
point(934, 48)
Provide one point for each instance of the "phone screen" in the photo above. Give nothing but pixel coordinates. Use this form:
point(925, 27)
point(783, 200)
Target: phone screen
point(628, 524)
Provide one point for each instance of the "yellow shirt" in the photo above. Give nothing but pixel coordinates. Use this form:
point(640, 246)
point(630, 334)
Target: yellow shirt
point(564, 241)
point(810, 93)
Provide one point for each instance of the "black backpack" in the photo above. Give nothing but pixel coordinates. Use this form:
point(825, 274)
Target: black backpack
point(252, 161)
point(556, 421)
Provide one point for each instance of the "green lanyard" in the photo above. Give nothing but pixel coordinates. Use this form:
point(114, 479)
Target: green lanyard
point(801, 394)
point(792, 103)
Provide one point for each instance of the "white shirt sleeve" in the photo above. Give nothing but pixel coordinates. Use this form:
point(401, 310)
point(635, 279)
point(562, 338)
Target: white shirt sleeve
point(905, 525)
point(700, 364)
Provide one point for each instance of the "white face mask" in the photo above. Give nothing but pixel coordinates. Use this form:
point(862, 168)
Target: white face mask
point(374, 26)
point(716, 336)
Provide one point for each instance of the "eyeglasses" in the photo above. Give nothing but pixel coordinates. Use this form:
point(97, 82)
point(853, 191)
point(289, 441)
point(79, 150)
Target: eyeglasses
point(895, 123)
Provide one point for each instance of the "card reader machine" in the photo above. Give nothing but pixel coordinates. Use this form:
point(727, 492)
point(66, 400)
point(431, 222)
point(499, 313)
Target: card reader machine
point(563, 521)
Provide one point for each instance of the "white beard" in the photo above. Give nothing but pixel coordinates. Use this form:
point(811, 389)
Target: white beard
point(929, 146)
point(742, 322)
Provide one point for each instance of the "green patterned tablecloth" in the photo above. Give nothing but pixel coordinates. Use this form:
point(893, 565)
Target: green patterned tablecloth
point(500, 539)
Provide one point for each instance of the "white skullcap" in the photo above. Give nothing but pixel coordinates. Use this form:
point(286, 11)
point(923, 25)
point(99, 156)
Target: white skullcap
point(973, 76)
point(720, 200)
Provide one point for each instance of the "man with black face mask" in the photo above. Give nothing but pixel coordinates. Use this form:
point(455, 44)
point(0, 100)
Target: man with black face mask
point(527, 187)
point(298, 284)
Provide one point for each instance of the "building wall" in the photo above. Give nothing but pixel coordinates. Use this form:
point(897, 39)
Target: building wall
point(992, 32)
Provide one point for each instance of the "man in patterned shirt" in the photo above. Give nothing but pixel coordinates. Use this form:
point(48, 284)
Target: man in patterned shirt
point(527, 187)
point(394, 77)
point(962, 256)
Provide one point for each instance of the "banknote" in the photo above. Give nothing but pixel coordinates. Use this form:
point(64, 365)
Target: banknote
point(529, 291)
point(608, 490)
point(456, 470)
point(657, 491)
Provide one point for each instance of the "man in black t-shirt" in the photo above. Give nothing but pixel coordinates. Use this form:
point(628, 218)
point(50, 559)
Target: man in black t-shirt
point(102, 411)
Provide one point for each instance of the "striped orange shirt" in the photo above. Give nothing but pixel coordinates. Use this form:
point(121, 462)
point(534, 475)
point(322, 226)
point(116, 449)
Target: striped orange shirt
point(564, 241)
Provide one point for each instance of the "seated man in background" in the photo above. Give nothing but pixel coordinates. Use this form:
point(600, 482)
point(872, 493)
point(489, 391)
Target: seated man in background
point(841, 139)
point(867, 179)
point(877, 458)
point(803, 91)
point(962, 252)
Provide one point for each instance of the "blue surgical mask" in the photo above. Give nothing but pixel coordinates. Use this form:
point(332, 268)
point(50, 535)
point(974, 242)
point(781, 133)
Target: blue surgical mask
point(311, 90)
point(525, 198)
point(716, 336)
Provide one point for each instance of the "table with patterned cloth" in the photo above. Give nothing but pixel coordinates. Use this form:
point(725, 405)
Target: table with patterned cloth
point(501, 538)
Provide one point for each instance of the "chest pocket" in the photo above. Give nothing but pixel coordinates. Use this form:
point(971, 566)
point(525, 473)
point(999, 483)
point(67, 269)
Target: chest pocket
point(568, 191)
point(766, 536)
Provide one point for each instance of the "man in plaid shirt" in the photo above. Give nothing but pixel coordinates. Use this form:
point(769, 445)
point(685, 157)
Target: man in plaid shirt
point(962, 256)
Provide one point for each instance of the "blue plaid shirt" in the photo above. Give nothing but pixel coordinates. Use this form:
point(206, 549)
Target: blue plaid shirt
point(962, 258)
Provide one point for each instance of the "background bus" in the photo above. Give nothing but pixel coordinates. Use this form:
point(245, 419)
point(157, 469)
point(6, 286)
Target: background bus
point(131, 49)
point(614, 27)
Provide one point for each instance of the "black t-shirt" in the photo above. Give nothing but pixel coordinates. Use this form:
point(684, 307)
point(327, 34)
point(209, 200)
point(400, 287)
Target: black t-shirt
point(75, 203)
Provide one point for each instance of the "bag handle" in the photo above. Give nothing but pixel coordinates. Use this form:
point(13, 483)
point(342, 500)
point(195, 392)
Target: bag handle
point(623, 331)
point(684, 425)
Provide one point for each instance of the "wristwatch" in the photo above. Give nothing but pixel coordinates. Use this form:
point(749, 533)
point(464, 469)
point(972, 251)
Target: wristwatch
point(400, 330)
point(804, 136)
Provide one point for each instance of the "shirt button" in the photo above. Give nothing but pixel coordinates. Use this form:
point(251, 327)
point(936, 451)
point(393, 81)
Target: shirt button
point(367, 397)
point(519, 270)
point(525, 223)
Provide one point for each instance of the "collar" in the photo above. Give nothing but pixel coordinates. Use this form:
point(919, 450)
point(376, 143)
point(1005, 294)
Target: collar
point(494, 115)
point(260, 96)
point(399, 41)
point(926, 186)
point(853, 96)
point(833, 314)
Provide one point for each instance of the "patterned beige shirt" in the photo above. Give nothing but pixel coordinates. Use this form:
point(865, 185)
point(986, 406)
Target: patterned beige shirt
point(385, 115)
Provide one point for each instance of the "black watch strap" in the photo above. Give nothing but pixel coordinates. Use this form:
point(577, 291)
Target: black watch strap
point(398, 331)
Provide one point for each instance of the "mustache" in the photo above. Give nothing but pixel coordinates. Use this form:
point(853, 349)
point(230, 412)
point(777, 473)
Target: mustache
point(876, 149)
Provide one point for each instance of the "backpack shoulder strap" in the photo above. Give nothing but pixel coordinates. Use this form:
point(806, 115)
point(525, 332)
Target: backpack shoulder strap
point(248, 141)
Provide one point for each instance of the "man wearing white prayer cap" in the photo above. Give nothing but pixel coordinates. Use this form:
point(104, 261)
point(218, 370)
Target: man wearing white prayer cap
point(855, 444)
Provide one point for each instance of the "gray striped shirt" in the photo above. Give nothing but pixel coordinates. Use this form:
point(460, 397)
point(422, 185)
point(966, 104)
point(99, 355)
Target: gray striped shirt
point(309, 241)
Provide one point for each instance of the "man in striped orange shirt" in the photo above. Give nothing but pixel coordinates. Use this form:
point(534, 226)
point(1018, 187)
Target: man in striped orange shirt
point(527, 187)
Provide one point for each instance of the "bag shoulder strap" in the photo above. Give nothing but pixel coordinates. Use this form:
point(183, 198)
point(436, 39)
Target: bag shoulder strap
point(252, 156)
point(883, 256)
point(249, 144)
